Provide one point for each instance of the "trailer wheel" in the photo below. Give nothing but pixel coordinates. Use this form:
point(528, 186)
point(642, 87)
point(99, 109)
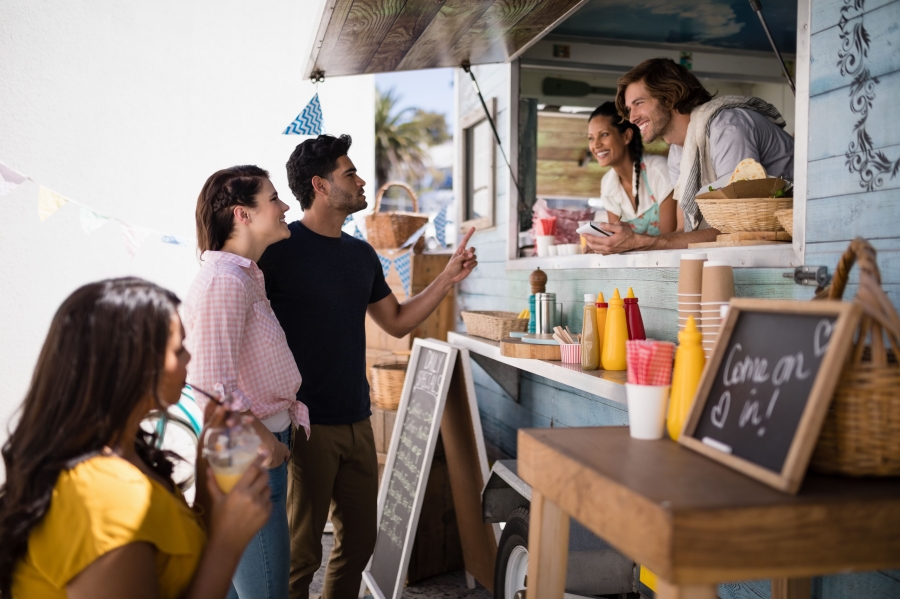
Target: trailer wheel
point(512, 556)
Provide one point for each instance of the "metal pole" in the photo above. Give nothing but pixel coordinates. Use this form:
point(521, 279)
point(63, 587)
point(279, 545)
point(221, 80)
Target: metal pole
point(757, 6)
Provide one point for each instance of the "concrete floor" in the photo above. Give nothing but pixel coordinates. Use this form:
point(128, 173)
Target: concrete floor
point(446, 586)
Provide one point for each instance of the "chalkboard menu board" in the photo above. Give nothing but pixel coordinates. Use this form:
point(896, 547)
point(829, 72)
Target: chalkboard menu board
point(767, 387)
point(408, 465)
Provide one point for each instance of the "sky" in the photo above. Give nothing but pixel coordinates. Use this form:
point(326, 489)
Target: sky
point(430, 89)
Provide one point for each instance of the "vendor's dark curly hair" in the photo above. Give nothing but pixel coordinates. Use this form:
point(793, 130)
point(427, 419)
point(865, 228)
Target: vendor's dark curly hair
point(635, 147)
point(225, 189)
point(314, 158)
point(104, 354)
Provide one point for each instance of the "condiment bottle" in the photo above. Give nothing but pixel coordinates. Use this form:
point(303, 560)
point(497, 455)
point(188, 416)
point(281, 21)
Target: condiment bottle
point(602, 307)
point(538, 280)
point(615, 335)
point(633, 317)
point(689, 362)
point(590, 340)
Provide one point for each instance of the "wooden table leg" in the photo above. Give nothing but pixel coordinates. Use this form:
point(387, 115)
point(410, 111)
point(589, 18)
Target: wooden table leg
point(548, 549)
point(666, 590)
point(791, 588)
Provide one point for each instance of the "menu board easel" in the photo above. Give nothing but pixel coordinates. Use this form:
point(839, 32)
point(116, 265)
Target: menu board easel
point(437, 392)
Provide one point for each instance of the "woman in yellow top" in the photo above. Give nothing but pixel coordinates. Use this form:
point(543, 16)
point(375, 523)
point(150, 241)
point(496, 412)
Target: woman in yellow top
point(88, 509)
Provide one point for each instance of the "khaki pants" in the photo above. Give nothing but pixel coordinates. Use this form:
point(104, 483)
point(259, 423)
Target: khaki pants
point(335, 469)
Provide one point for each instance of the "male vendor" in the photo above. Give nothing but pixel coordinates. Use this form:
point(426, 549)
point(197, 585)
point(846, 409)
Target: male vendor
point(321, 283)
point(707, 139)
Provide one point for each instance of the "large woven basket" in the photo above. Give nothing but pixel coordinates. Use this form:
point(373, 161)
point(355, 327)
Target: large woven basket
point(388, 230)
point(786, 219)
point(387, 382)
point(493, 325)
point(861, 434)
point(747, 214)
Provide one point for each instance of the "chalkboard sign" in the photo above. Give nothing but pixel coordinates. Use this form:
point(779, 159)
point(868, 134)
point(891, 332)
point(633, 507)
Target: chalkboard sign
point(408, 465)
point(766, 389)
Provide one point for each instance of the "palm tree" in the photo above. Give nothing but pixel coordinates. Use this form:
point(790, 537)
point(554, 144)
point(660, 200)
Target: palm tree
point(401, 139)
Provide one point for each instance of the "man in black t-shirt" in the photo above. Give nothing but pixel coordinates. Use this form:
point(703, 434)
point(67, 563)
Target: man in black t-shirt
point(321, 283)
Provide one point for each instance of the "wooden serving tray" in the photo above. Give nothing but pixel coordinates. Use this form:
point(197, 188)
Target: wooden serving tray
point(516, 348)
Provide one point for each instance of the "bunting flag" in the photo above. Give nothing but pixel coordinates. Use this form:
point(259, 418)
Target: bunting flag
point(440, 227)
point(347, 220)
point(49, 202)
point(9, 179)
point(134, 237)
point(357, 233)
point(173, 240)
point(385, 265)
point(91, 221)
point(403, 265)
point(308, 122)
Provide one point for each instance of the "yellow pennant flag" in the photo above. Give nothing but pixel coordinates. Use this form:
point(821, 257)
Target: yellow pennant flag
point(49, 202)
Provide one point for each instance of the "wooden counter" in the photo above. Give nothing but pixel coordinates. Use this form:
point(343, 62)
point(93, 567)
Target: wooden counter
point(604, 383)
point(695, 522)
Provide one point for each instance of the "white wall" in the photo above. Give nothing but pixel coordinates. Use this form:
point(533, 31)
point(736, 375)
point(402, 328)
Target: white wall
point(128, 108)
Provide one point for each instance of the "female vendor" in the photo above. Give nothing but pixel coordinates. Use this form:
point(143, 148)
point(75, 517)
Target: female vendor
point(636, 189)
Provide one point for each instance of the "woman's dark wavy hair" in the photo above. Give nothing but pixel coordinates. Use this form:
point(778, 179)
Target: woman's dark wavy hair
point(635, 147)
point(314, 158)
point(668, 82)
point(104, 354)
point(225, 189)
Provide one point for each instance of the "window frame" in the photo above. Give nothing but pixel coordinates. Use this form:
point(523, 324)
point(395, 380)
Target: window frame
point(467, 123)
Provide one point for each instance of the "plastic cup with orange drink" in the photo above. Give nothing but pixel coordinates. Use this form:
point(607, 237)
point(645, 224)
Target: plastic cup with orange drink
point(230, 451)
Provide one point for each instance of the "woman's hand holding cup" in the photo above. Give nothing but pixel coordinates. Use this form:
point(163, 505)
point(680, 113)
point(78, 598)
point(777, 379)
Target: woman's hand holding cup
point(239, 514)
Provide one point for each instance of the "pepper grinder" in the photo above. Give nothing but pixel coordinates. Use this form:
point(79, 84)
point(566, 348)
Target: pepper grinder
point(538, 280)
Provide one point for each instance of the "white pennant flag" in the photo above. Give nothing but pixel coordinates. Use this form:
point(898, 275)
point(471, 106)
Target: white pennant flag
point(91, 221)
point(9, 179)
point(49, 202)
point(134, 237)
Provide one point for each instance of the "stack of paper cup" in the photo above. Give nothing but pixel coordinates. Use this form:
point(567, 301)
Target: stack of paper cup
point(690, 284)
point(717, 290)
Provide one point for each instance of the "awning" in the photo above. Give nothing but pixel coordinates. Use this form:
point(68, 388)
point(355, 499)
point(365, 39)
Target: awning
point(378, 36)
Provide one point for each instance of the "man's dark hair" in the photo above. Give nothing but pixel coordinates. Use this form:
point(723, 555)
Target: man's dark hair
point(668, 82)
point(314, 158)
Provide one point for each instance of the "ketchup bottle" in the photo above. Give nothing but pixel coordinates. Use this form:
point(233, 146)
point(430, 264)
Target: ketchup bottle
point(633, 317)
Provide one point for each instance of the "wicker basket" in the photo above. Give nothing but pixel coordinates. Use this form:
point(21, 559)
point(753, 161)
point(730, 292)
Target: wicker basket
point(786, 219)
point(387, 382)
point(746, 214)
point(861, 434)
point(388, 230)
point(493, 325)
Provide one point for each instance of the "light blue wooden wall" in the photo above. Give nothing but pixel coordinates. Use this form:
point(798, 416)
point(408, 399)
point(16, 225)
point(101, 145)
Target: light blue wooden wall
point(839, 208)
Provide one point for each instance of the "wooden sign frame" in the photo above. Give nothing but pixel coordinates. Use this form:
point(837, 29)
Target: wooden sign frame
point(810, 425)
point(451, 353)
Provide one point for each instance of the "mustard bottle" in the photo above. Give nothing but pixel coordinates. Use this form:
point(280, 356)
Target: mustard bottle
point(602, 307)
point(689, 362)
point(590, 341)
point(615, 334)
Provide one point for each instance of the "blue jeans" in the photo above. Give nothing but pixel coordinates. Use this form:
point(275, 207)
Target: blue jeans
point(265, 567)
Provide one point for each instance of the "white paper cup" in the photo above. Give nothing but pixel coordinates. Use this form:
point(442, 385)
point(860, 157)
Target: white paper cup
point(544, 242)
point(553, 250)
point(647, 406)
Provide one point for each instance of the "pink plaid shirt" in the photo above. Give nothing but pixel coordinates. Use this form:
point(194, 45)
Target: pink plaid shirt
point(235, 340)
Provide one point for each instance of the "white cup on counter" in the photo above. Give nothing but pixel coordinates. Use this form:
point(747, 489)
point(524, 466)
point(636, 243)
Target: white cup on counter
point(543, 243)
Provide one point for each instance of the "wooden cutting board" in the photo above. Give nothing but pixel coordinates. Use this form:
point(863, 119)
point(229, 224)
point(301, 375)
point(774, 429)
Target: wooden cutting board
point(516, 348)
point(731, 244)
point(755, 235)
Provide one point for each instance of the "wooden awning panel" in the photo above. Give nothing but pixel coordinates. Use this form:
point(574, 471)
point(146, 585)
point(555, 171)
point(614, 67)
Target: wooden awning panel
point(379, 36)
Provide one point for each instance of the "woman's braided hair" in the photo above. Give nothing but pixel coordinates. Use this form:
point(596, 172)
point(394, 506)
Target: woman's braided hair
point(635, 147)
point(225, 189)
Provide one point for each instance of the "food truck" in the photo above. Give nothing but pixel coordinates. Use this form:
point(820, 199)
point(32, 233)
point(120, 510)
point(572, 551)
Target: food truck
point(528, 74)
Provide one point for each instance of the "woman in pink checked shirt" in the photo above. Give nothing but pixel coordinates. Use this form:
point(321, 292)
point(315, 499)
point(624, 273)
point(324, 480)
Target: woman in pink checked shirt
point(238, 347)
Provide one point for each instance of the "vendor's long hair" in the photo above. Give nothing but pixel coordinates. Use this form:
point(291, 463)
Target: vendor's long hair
point(103, 355)
point(635, 146)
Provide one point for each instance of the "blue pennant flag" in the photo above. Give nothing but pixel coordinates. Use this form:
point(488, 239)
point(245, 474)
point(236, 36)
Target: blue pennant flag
point(385, 265)
point(347, 220)
point(308, 122)
point(402, 264)
point(358, 234)
point(440, 226)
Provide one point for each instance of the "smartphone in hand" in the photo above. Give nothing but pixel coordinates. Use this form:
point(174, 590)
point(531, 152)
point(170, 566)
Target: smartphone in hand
point(592, 229)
